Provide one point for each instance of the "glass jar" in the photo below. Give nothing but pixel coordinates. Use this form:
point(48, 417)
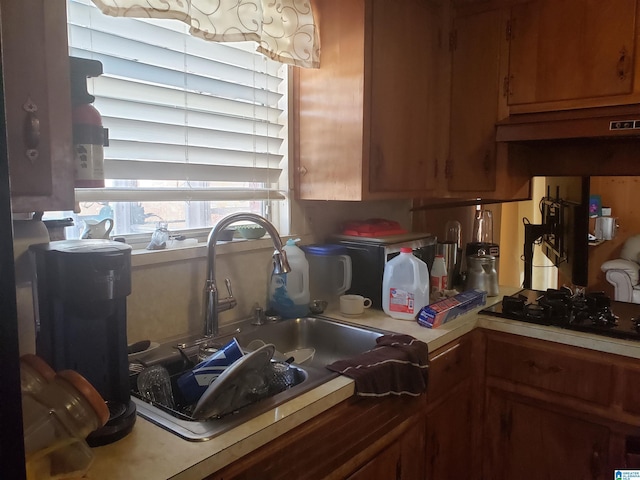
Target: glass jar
point(59, 412)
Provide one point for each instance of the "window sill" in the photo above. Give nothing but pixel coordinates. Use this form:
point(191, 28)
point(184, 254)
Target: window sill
point(143, 257)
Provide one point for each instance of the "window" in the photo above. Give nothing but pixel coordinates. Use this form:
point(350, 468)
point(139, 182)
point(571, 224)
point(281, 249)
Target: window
point(197, 129)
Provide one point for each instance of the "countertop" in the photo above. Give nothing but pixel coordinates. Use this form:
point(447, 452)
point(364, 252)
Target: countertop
point(151, 452)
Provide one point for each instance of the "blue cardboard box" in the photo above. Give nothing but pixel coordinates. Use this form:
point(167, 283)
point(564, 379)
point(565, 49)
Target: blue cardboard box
point(442, 311)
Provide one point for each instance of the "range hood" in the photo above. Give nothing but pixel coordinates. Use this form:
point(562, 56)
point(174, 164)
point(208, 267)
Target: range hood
point(602, 141)
point(594, 123)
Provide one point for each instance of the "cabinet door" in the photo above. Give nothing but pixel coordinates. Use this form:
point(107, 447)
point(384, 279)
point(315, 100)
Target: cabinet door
point(399, 461)
point(528, 441)
point(403, 72)
point(571, 50)
point(475, 73)
point(449, 440)
point(35, 65)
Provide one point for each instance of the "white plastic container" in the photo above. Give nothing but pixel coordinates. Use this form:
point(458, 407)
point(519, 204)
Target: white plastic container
point(289, 293)
point(405, 285)
point(438, 275)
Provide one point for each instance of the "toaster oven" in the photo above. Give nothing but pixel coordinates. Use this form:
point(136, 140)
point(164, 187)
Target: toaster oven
point(369, 256)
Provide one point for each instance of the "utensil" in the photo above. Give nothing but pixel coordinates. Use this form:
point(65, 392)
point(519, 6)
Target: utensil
point(280, 376)
point(97, 228)
point(353, 304)
point(300, 355)
point(482, 274)
point(318, 306)
point(140, 346)
point(483, 226)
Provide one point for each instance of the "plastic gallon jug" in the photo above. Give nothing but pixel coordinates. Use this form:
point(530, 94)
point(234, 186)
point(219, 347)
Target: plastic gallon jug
point(405, 285)
point(289, 292)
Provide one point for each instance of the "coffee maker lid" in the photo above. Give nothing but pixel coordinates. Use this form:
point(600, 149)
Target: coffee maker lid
point(84, 246)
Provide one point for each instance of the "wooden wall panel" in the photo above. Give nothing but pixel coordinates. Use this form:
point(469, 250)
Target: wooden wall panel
point(622, 194)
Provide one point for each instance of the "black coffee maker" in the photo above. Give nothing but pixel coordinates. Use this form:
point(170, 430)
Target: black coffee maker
point(81, 290)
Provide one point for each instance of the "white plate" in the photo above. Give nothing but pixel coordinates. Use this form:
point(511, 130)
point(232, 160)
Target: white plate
point(301, 355)
point(226, 394)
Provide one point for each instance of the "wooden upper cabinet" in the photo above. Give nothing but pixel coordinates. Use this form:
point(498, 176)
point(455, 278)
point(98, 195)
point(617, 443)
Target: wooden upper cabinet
point(35, 66)
point(364, 126)
point(572, 54)
point(476, 44)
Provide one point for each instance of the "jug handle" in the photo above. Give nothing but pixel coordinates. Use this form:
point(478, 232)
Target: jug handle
point(110, 221)
point(346, 265)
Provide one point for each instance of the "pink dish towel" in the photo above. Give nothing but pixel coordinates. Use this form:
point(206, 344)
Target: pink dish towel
point(398, 365)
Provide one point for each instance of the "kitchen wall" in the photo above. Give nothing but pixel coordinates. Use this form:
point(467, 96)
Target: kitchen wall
point(166, 295)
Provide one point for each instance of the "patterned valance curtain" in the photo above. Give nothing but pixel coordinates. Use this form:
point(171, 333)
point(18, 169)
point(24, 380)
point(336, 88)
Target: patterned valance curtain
point(284, 29)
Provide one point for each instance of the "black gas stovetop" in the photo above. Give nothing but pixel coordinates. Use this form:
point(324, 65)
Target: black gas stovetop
point(589, 312)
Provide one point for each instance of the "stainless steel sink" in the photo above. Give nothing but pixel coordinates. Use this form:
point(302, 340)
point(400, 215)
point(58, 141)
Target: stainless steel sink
point(330, 340)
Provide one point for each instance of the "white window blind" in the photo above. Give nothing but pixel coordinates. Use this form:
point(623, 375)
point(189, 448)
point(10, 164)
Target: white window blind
point(187, 119)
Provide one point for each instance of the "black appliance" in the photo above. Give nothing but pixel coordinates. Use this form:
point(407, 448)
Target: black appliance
point(591, 312)
point(81, 290)
point(370, 254)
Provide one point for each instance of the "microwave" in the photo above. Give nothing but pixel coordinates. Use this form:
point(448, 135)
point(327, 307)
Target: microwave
point(369, 256)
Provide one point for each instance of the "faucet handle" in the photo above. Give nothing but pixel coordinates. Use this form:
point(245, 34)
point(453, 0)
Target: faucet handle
point(228, 303)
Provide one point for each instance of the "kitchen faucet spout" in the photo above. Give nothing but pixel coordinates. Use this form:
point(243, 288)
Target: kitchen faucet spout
point(212, 304)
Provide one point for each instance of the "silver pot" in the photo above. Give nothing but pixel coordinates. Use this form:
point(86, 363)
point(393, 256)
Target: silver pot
point(481, 274)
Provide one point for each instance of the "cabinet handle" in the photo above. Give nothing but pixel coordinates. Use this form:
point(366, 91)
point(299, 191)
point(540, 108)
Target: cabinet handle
point(506, 423)
point(448, 167)
point(632, 453)
point(623, 64)
point(31, 130)
point(302, 171)
point(595, 463)
point(486, 163)
point(538, 368)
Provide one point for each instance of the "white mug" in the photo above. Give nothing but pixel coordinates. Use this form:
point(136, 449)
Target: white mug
point(353, 304)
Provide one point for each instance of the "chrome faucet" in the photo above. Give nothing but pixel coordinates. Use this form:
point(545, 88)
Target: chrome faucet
point(212, 305)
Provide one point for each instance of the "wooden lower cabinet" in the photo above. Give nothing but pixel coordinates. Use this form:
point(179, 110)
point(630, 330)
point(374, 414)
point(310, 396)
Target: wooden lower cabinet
point(449, 438)
point(498, 407)
point(358, 438)
point(524, 440)
point(555, 411)
point(399, 461)
point(454, 410)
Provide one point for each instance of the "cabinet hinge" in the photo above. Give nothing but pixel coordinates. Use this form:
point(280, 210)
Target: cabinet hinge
point(507, 86)
point(453, 40)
